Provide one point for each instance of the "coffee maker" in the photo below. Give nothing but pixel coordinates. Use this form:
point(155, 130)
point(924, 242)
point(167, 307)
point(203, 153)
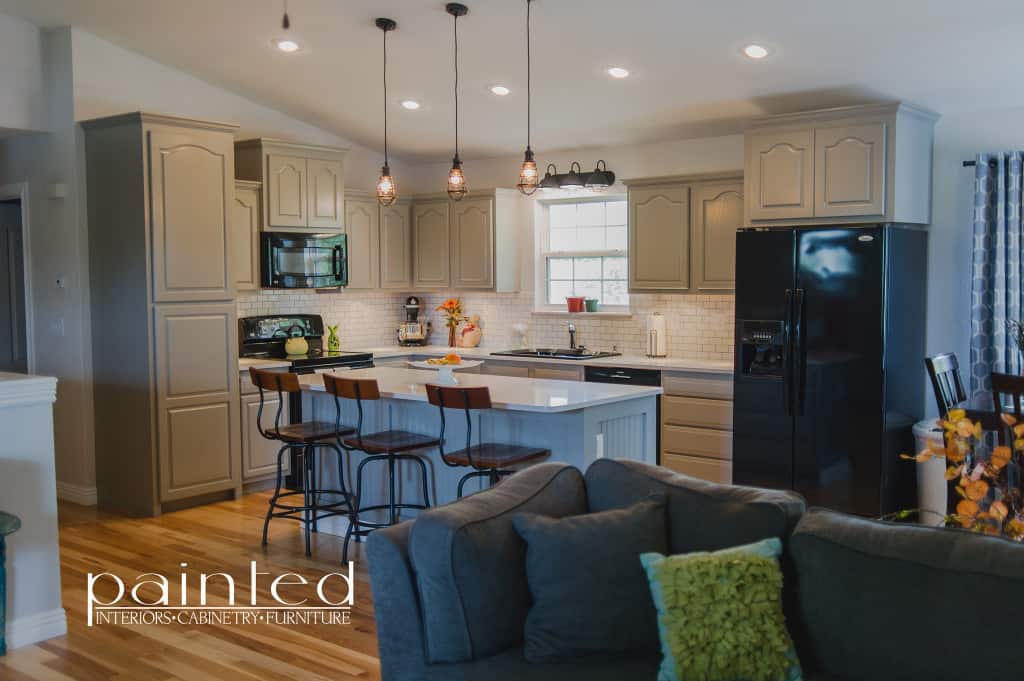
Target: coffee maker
point(412, 331)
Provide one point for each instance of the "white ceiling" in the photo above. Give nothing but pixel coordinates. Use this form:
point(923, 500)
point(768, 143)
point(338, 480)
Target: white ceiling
point(688, 78)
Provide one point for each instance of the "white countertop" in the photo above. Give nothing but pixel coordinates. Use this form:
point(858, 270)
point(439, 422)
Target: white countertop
point(628, 361)
point(514, 394)
point(245, 362)
point(18, 390)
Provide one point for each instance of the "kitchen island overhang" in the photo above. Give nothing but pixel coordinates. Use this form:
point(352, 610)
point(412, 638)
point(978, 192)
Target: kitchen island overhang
point(579, 422)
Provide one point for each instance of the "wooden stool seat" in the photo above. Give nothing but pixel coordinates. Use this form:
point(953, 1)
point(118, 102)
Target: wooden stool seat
point(310, 431)
point(391, 442)
point(488, 455)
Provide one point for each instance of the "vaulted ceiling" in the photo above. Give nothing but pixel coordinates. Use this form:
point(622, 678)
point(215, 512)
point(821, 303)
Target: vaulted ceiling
point(688, 76)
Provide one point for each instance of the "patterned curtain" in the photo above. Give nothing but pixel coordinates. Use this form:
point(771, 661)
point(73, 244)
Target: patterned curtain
point(996, 267)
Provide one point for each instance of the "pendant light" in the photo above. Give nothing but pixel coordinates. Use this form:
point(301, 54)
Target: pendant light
point(286, 23)
point(456, 178)
point(528, 175)
point(386, 183)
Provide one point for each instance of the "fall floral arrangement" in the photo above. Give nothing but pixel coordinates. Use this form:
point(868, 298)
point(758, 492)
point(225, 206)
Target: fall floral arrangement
point(987, 482)
point(452, 309)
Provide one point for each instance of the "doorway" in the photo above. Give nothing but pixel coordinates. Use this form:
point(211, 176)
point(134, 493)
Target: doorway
point(13, 327)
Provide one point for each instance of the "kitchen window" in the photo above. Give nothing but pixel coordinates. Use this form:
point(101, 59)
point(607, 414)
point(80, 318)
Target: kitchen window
point(584, 252)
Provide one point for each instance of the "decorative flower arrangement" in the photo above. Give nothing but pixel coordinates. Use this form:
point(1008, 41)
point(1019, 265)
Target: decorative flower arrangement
point(989, 483)
point(452, 309)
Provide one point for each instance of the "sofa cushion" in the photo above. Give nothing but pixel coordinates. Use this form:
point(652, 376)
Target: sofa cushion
point(470, 564)
point(720, 614)
point(703, 516)
point(899, 601)
point(590, 595)
point(511, 665)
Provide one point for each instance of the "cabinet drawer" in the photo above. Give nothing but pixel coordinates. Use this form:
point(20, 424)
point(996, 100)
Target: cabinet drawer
point(695, 411)
point(505, 369)
point(713, 470)
point(715, 387)
point(572, 374)
point(716, 444)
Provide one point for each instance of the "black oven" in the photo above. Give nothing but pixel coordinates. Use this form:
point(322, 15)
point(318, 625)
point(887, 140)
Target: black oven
point(303, 261)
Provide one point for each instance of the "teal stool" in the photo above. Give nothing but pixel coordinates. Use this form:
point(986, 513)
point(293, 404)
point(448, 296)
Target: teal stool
point(8, 524)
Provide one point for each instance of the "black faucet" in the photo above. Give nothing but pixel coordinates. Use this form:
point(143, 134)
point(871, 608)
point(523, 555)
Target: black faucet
point(572, 336)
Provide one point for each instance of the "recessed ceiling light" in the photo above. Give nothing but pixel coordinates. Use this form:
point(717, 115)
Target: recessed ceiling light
point(410, 104)
point(755, 51)
point(500, 90)
point(618, 72)
point(286, 45)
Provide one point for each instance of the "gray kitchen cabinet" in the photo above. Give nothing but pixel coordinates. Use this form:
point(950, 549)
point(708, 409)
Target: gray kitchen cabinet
point(161, 190)
point(849, 170)
point(472, 244)
point(259, 455)
point(303, 184)
point(780, 165)
point(362, 229)
point(717, 214)
point(843, 165)
point(246, 225)
point(659, 237)
point(192, 185)
point(396, 246)
point(431, 244)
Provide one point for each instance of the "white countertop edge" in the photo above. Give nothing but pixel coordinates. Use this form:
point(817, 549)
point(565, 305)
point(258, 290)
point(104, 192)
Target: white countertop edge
point(18, 390)
point(245, 362)
point(312, 383)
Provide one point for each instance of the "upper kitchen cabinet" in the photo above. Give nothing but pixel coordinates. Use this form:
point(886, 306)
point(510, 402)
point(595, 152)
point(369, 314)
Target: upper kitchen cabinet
point(362, 230)
point(170, 234)
point(845, 165)
point(659, 237)
point(717, 214)
point(396, 246)
point(246, 224)
point(472, 244)
point(303, 184)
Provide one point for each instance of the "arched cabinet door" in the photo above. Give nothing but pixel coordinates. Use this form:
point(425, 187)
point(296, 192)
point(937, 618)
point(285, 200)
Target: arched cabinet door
point(717, 214)
point(659, 238)
point(192, 192)
point(363, 241)
point(430, 245)
point(395, 247)
point(780, 175)
point(286, 186)
point(472, 244)
point(850, 170)
point(325, 194)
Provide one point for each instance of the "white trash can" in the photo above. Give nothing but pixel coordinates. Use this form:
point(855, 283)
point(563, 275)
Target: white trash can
point(932, 488)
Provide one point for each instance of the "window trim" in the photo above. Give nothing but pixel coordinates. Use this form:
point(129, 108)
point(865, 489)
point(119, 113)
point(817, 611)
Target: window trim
point(543, 252)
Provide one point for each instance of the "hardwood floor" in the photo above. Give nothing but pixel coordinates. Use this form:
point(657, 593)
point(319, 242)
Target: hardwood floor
point(222, 537)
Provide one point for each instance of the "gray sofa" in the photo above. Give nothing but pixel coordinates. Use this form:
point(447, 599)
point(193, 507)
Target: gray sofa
point(864, 600)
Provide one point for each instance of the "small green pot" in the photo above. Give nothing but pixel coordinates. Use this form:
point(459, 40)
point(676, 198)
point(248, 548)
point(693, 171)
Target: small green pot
point(592, 304)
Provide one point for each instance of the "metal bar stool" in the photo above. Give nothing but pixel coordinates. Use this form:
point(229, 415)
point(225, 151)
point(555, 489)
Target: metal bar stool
point(389, 446)
point(8, 525)
point(307, 438)
point(487, 459)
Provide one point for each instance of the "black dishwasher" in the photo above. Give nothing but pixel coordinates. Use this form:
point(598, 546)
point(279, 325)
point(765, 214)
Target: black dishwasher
point(624, 376)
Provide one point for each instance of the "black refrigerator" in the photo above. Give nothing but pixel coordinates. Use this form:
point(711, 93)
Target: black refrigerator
point(828, 382)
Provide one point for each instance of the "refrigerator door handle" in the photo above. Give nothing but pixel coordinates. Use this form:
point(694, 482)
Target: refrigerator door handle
point(787, 356)
point(800, 351)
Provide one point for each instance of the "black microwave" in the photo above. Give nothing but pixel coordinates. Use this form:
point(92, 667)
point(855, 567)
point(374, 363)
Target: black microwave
point(303, 260)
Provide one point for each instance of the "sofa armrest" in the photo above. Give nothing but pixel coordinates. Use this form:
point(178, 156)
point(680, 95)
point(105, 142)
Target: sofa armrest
point(396, 604)
point(470, 564)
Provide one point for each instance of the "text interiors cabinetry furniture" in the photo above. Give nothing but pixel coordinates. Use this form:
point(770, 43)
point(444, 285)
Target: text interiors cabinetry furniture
point(472, 244)
point(303, 184)
point(682, 232)
point(162, 254)
point(842, 165)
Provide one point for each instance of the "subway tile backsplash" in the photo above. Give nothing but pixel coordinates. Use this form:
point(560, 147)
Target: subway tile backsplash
point(699, 326)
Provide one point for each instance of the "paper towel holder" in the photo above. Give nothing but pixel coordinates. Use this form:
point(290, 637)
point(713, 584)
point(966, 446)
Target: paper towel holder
point(657, 342)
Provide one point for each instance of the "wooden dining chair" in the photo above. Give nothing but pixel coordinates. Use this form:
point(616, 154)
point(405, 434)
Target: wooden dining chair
point(944, 372)
point(1007, 390)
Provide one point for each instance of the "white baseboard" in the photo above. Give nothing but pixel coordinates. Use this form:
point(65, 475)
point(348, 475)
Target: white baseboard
point(34, 628)
point(76, 494)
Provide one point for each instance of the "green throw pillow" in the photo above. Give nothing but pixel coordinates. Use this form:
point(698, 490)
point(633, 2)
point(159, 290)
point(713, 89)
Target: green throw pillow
point(720, 615)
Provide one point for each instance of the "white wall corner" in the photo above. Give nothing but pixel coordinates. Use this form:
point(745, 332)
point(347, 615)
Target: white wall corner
point(76, 494)
point(35, 628)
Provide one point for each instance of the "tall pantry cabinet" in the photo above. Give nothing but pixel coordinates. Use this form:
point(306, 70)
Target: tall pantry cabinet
point(164, 330)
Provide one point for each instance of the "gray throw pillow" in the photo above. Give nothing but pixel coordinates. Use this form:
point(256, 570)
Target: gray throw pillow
point(589, 589)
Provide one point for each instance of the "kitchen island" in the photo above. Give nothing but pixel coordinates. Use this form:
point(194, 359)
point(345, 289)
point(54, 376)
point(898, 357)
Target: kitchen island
point(579, 422)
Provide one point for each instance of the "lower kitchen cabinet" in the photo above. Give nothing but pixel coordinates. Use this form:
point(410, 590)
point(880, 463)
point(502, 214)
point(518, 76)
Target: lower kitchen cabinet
point(259, 455)
point(696, 425)
point(557, 373)
point(506, 369)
